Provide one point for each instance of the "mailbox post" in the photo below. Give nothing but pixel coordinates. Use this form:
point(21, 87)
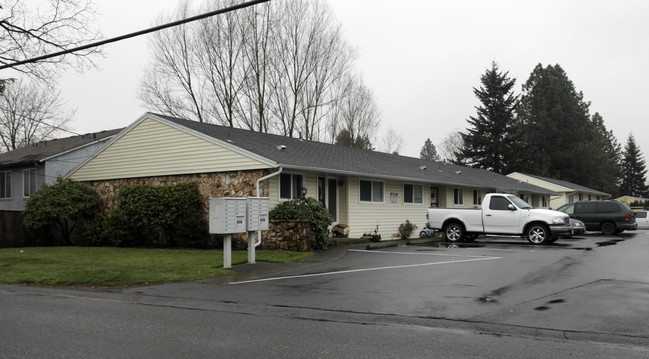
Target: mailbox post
point(257, 221)
point(227, 216)
point(237, 215)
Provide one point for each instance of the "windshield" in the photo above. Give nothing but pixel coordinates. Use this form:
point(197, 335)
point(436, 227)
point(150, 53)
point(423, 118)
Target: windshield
point(519, 202)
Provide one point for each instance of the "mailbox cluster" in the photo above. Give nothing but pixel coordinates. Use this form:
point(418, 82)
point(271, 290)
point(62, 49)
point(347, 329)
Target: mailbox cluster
point(236, 215)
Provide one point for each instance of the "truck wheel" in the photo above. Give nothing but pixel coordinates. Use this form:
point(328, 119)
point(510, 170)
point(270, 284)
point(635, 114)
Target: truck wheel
point(608, 228)
point(538, 233)
point(454, 232)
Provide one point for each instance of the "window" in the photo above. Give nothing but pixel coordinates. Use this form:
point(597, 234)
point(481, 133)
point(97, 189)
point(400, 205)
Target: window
point(499, 203)
point(290, 186)
point(585, 207)
point(571, 198)
point(640, 214)
point(544, 201)
point(29, 182)
point(477, 197)
point(413, 193)
point(371, 191)
point(5, 185)
point(607, 207)
point(458, 196)
point(568, 209)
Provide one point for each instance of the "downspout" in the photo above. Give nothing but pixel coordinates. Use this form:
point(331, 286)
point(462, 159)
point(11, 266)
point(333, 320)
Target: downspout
point(258, 195)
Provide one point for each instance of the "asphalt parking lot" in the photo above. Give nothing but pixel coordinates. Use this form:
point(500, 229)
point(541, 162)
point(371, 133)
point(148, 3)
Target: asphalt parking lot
point(591, 284)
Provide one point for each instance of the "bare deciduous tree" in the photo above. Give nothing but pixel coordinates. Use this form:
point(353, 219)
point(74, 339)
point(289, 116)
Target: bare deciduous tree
point(29, 113)
point(391, 142)
point(358, 113)
point(450, 147)
point(34, 28)
point(171, 85)
point(281, 67)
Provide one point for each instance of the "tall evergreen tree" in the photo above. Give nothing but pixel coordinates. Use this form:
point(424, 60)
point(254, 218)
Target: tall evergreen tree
point(634, 181)
point(559, 137)
point(428, 151)
point(489, 142)
point(610, 152)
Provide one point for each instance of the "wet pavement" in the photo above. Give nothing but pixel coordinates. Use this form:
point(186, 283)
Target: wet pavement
point(587, 286)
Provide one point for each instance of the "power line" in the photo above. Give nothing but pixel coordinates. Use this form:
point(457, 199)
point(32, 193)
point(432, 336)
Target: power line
point(138, 33)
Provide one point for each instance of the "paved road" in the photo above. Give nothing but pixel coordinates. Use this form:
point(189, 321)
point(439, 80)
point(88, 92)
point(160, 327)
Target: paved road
point(582, 297)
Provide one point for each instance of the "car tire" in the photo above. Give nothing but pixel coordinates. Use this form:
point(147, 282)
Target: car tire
point(454, 232)
point(538, 233)
point(608, 228)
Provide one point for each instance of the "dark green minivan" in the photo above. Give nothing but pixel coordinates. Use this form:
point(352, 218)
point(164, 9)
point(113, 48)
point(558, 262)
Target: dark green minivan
point(609, 216)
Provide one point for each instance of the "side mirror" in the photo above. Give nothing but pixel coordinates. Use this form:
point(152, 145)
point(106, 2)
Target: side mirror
point(511, 207)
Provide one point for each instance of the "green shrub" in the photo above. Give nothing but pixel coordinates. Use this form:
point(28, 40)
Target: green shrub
point(63, 205)
point(406, 229)
point(315, 212)
point(147, 212)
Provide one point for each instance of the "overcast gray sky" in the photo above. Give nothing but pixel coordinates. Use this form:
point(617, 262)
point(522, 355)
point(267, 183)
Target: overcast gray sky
point(423, 58)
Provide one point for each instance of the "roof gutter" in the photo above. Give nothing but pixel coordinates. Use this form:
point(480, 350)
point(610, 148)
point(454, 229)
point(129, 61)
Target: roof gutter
point(258, 195)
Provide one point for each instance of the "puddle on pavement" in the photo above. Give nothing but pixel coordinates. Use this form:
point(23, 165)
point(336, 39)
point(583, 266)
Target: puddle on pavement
point(541, 308)
point(609, 243)
point(553, 301)
point(487, 299)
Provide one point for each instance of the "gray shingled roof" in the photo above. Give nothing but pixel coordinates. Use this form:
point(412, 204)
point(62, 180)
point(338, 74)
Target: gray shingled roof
point(570, 185)
point(328, 158)
point(41, 151)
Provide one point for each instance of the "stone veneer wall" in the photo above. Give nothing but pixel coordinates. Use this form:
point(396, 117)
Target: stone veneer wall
point(288, 235)
point(221, 184)
point(283, 235)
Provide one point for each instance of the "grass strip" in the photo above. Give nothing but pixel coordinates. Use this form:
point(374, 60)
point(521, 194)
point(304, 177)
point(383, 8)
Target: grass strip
point(109, 266)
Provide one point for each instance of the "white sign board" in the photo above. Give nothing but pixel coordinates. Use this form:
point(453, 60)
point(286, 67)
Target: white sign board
point(257, 213)
point(227, 215)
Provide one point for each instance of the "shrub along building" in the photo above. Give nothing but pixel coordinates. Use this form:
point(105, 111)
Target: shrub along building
point(26, 169)
point(361, 188)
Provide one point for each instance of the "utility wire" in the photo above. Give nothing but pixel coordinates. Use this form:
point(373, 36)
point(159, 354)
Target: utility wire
point(138, 33)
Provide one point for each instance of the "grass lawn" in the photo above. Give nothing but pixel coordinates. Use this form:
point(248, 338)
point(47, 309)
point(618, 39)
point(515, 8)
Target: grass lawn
point(108, 266)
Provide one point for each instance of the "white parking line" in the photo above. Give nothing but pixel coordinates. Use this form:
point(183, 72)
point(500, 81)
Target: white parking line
point(366, 270)
point(416, 253)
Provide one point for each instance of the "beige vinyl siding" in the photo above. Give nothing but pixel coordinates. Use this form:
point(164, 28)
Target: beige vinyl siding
point(363, 217)
point(447, 196)
point(152, 148)
point(553, 201)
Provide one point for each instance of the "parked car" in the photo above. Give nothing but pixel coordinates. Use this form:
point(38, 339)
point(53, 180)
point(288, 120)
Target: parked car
point(608, 216)
point(642, 219)
point(577, 227)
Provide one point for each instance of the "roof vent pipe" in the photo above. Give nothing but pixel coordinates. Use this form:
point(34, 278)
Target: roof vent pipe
point(257, 243)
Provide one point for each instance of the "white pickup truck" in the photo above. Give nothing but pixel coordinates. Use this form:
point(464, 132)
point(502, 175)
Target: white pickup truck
point(503, 214)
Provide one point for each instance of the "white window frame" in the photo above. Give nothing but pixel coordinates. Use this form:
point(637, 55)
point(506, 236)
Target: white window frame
point(373, 182)
point(29, 182)
point(5, 193)
point(414, 199)
point(293, 188)
point(458, 193)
